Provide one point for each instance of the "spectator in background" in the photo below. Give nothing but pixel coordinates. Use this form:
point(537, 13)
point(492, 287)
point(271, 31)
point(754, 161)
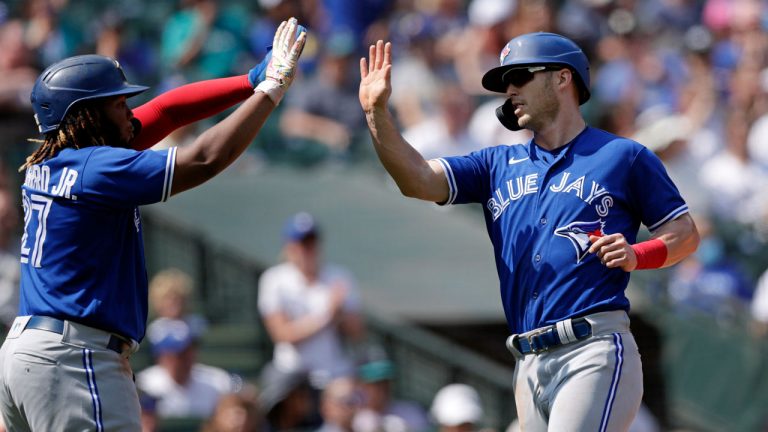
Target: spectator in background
point(170, 293)
point(117, 37)
point(380, 412)
point(321, 117)
point(202, 40)
point(46, 33)
point(338, 404)
point(668, 136)
point(235, 412)
point(708, 281)
point(16, 68)
point(9, 258)
point(310, 309)
point(417, 70)
point(457, 408)
point(737, 187)
point(446, 132)
point(287, 399)
point(182, 386)
point(148, 412)
point(477, 50)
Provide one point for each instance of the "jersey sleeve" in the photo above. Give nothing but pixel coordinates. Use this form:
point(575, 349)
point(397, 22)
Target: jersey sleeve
point(127, 178)
point(467, 177)
point(652, 193)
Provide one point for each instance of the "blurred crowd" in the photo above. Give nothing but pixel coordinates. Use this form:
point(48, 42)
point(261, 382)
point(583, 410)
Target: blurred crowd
point(686, 78)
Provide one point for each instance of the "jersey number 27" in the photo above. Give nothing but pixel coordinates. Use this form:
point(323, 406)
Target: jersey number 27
point(36, 206)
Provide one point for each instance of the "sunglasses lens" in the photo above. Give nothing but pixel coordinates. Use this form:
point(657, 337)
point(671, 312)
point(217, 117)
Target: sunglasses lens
point(518, 77)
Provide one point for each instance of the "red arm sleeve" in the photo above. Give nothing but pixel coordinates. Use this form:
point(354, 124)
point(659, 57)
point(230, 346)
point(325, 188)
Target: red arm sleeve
point(187, 104)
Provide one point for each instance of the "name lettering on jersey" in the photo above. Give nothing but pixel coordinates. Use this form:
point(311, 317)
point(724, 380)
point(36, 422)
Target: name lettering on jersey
point(66, 181)
point(521, 186)
point(37, 177)
point(516, 189)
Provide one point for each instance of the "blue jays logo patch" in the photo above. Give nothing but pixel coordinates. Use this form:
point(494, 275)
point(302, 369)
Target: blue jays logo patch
point(578, 233)
point(504, 54)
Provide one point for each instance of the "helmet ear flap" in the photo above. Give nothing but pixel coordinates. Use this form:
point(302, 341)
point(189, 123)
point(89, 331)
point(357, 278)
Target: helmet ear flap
point(507, 117)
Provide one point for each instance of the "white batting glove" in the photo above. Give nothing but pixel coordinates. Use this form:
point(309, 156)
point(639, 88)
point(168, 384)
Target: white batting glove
point(286, 49)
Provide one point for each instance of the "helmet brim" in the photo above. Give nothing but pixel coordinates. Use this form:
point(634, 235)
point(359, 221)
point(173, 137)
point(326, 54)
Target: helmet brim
point(128, 90)
point(493, 80)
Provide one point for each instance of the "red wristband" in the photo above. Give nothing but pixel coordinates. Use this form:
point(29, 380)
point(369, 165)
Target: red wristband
point(650, 254)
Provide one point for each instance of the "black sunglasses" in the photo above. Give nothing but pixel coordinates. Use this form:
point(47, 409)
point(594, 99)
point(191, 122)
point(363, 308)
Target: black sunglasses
point(519, 77)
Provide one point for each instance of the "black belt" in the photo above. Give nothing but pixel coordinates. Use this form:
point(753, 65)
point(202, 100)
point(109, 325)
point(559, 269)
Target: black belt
point(549, 338)
point(116, 343)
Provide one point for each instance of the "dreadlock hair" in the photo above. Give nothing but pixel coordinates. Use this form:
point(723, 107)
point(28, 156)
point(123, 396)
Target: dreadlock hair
point(83, 126)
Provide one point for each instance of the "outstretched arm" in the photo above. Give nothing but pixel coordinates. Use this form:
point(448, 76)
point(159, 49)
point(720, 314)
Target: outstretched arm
point(668, 245)
point(220, 145)
point(416, 177)
point(192, 102)
point(187, 104)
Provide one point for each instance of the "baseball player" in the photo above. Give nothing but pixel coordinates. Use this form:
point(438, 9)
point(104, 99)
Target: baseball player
point(64, 364)
point(562, 212)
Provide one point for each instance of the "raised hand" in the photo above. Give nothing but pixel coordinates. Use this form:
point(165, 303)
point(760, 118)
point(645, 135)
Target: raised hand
point(281, 69)
point(259, 72)
point(375, 77)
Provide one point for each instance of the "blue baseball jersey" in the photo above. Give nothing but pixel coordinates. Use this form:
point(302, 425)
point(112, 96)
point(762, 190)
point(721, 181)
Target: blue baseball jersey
point(541, 207)
point(82, 254)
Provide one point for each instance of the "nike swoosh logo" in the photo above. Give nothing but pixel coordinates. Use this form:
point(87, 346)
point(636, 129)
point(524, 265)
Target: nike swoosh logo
point(513, 161)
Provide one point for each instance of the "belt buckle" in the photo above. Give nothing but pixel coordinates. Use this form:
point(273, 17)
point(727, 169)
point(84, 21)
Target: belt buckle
point(534, 348)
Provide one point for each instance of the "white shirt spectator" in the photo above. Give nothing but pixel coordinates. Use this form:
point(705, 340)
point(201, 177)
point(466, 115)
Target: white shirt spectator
point(736, 190)
point(284, 289)
point(198, 398)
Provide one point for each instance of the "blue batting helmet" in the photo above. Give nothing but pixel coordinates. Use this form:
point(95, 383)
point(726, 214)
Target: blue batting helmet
point(533, 49)
point(76, 79)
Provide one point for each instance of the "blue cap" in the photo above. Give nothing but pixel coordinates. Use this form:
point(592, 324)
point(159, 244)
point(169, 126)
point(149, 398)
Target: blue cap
point(169, 336)
point(300, 226)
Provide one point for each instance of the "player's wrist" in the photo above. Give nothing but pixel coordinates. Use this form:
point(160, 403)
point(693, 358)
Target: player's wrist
point(651, 254)
point(272, 89)
point(258, 74)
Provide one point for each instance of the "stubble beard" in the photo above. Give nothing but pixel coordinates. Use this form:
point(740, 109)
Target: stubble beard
point(547, 111)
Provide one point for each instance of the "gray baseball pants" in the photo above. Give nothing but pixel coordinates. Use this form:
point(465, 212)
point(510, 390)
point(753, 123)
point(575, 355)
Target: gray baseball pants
point(53, 382)
point(595, 384)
